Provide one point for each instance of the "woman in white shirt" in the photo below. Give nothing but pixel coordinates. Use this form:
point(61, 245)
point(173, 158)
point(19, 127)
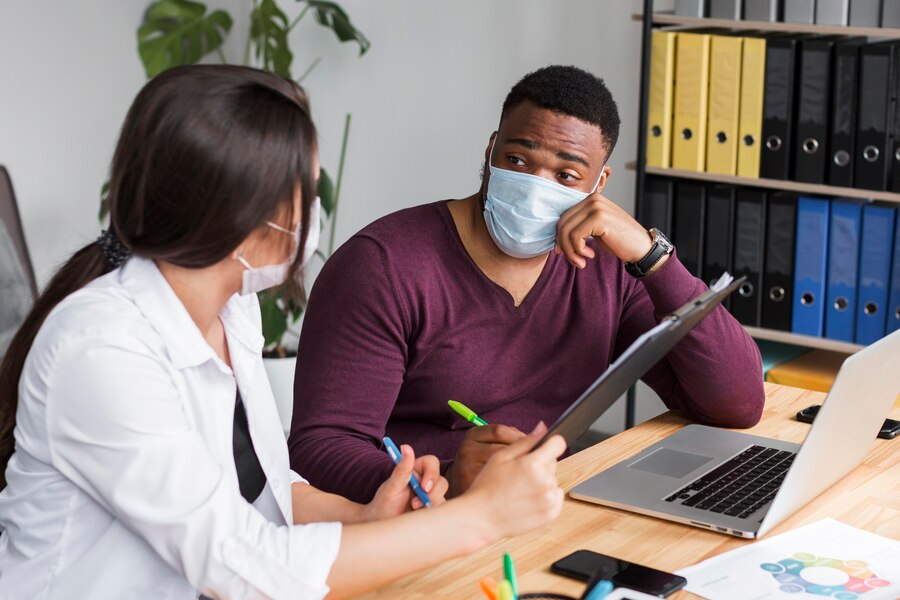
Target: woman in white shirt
point(142, 450)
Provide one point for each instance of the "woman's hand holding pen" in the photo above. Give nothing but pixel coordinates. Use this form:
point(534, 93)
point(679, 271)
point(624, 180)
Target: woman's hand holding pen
point(518, 487)
point(394, 497)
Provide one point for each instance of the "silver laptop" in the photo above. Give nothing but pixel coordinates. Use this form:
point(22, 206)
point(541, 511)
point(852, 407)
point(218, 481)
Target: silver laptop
point(745, 485)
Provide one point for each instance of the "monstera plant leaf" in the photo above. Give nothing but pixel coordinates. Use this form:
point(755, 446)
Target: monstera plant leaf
point(326, 192)
point(330, 15)
point(274, 318)
point(179, 32)
point(269, 35)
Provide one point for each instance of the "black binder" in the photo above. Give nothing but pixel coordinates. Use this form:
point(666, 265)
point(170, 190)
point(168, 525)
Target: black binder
point(894, 158)
point(778, 107)
point(749, 235)
point(718, 230)
point(655, 208)
point(813, 107)
point(778, 276)
point(872, 138)
point(844, 99)
point(687, 225)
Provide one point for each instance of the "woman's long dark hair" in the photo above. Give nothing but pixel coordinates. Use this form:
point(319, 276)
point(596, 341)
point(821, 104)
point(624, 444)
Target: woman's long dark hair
point(206, 155)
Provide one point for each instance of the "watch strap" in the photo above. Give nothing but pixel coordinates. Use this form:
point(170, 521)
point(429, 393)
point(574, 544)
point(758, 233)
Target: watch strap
point(661, 247)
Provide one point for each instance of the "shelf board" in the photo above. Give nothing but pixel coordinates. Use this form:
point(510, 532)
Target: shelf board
point(672, 19)
point(815, 189)
point(786, 337)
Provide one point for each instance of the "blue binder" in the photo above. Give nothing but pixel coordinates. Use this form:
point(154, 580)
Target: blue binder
point(810, 254)
point(893, 315)
point(874, 271)
point(843, 261)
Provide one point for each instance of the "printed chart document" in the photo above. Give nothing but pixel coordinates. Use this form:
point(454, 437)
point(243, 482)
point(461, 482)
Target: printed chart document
point(826, 559)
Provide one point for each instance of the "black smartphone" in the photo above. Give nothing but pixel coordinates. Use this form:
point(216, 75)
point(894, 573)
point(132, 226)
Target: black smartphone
point(889, 429)
point(584, 564)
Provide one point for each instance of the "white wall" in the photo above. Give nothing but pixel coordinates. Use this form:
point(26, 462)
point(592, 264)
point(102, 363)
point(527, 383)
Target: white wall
point(68, 73)
point(427, 96)
point(424, 99)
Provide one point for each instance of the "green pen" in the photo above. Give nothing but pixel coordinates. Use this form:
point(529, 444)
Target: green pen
point(466, 413)
point(509, 573)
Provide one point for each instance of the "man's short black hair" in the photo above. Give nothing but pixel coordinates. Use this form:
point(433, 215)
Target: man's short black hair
point(570, 91)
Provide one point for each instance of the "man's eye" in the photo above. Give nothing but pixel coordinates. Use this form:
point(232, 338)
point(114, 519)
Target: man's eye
point(567, 176)
point(516, 161)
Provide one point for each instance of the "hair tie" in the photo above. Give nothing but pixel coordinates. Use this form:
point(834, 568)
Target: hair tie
point(113, 249)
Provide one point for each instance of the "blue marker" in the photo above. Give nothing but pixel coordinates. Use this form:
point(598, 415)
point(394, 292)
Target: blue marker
point(601, 590)
point(394, 453)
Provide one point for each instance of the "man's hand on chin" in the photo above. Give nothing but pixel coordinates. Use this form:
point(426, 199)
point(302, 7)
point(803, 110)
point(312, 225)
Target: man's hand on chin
point(612, 228)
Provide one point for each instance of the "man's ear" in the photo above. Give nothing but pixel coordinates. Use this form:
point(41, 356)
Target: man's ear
point(604, 177)
point(487, 151)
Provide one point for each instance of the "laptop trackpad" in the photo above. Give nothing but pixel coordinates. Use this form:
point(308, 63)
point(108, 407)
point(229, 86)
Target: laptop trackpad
point(671, 463)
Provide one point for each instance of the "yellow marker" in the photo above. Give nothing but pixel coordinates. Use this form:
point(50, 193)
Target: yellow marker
point(505, 591)
point(466, 413)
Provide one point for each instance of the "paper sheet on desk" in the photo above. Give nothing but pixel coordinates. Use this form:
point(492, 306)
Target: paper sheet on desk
point(826, 559)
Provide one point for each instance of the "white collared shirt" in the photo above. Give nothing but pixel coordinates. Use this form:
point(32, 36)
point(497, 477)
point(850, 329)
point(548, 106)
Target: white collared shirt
point(123, 482)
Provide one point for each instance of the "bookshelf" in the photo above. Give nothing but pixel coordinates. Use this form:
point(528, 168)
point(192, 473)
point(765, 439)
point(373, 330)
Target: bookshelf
point(667, 18)
point(649, 18)
point(813, 189)
point(808, 341)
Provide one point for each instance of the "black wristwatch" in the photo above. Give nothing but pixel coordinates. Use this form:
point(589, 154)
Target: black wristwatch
point(661, 247)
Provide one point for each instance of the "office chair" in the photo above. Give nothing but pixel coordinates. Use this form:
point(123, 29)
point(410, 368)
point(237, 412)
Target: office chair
point(18, 286)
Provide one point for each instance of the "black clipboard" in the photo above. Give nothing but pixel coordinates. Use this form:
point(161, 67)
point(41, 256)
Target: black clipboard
point(631, 365)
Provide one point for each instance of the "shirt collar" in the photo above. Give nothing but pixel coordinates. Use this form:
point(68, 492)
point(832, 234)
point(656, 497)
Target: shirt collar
point(184, 342)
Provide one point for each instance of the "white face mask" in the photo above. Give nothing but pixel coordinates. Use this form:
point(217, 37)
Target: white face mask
point(521, 210)
point(258, 279)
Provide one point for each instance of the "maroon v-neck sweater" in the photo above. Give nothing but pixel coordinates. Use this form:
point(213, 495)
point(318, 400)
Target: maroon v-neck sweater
point(401, 319)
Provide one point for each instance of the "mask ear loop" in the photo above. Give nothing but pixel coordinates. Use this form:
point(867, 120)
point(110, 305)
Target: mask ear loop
point(491, 153)
point(244, 262)
point(278, 227)
point(490, 158)
point(596, 185)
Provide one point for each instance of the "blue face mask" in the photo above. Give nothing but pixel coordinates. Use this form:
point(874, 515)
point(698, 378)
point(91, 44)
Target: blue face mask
point(521, 211)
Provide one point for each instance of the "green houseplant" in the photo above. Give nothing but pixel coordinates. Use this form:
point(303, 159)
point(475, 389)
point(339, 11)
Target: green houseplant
point(182, 32)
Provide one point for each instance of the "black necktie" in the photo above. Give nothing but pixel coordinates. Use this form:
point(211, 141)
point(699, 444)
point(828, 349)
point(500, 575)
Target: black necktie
point(251, 477)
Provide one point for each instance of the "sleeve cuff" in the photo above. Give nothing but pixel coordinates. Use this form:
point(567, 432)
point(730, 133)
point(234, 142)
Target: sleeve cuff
point(302, 573)
point(295, 478)
point(671, 286)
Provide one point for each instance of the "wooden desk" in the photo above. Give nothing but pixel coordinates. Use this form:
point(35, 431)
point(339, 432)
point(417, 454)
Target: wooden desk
point(868, 498)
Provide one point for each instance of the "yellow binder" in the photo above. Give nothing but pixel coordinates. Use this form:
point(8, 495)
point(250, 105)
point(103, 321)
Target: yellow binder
point(724, 104)
point(691, 98)
point(753, 81)
point(659, 116)
point(814, 370)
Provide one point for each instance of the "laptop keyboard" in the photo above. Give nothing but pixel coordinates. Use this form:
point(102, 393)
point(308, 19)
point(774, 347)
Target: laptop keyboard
point(740, 486)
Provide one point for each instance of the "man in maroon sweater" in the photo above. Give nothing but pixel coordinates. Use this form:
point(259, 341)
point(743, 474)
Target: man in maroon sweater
point(511, 301)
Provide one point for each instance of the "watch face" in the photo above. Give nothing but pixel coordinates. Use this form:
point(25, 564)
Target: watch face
point(664, 241)
point(661, 247)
